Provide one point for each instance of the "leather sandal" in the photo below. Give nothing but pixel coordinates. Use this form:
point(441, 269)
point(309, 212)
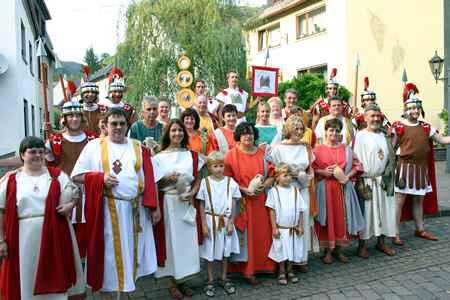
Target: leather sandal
point(397, 241)
point(292, 278)
point(340, 257)
point(363, 252)
point(327, 259)
point(175, 292)
point(251, 280)
point(303, 268)
point(282, 279)
point(386, 250)
point(185, 290)
point(426, 235)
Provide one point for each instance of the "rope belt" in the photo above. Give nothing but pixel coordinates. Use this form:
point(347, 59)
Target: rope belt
point(292, 230)
point(221, 224)
point(31, 216)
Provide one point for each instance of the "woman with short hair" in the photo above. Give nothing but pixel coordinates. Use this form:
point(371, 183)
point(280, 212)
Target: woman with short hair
point(246, 164)
point(339, 215)
point(40, 258)
point(297, 154)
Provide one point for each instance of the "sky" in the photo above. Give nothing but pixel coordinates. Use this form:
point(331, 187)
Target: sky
point(78, 25)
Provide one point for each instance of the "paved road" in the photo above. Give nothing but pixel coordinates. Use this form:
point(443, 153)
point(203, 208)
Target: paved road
point(420, 270)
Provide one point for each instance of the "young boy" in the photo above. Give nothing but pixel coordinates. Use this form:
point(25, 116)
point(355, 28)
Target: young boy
point(218, 194)
point(286, 215)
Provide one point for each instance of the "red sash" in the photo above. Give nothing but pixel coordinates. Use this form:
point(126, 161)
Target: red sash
point(56, 265)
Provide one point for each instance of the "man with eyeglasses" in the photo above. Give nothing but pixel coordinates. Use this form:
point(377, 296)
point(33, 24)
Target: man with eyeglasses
point(121, 206)
point(63, 150)
point(321, 107)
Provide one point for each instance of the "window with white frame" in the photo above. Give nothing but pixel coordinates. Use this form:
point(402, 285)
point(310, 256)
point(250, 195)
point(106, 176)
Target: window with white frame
point(269, 37)
point(320, 70)
point(312, 22)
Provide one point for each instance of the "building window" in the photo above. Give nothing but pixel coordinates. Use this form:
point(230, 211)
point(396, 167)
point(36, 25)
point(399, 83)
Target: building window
point(320, 70)
point(269, 37)
point(25, 117)
point(33, 120)
point(23, 42)
point(30, 57)
point(38, 67)
point(42, 27)
point(41, 131)
point(310, 23)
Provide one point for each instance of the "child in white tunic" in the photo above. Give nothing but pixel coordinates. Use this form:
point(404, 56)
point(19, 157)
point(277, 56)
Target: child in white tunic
point(286, 215)
point(218, 194)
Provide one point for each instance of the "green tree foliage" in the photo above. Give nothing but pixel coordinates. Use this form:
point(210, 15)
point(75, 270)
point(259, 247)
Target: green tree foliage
point(310, 87)
point(209, 32)
point(92, 60)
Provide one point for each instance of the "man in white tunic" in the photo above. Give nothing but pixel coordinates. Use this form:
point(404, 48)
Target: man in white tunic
point(336, 112)
point(374, 152)
point(121, 247)
point(234, 95)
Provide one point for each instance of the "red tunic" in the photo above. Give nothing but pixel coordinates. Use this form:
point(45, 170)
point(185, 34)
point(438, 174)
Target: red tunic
point(334, 233)
point(254, 216)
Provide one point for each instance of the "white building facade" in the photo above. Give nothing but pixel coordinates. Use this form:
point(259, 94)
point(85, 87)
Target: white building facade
point(314, 36)
point(22, 22)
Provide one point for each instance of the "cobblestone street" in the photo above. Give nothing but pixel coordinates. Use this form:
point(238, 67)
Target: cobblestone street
point(420, 270)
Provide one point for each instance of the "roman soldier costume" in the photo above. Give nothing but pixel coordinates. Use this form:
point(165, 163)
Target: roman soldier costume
point(117, 84)
point(415, 172)
point(321, 107)
point(358, 118)
point(92, 112)
point(65, 150)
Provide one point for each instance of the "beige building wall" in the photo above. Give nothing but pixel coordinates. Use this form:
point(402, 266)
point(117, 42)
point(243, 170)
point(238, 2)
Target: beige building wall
point(390, 36)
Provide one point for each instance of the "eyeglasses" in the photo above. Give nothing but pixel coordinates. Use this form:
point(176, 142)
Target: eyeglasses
point(36, 151)
point(117, 123)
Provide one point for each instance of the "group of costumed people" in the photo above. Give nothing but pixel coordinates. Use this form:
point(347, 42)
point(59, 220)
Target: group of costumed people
point(110, 198)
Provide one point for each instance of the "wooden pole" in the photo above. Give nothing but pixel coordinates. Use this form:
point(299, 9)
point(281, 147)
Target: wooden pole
point(44, 93)
point(355, 97)
point(61, 80)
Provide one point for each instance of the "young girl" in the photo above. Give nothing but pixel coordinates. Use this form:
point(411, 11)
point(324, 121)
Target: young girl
point(218, 194)
point(286, 215)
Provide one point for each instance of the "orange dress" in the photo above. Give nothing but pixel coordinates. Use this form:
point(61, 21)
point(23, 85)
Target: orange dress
point(254, 216)
point(196, 144)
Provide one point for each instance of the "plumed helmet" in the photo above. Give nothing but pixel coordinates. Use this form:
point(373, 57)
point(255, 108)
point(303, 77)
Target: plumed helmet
point(71, 107)
point(71, 87)
point(367, 94)
point(116, 81)
point(88, 87)
point(332, 81)
point(410, 96)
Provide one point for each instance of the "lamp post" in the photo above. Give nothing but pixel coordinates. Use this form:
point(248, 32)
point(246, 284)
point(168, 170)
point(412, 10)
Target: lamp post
point(436, 64)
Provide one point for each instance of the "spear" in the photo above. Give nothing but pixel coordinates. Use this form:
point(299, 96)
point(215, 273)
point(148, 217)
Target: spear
point(41, 53)
point(355, 97)
point(59, 69)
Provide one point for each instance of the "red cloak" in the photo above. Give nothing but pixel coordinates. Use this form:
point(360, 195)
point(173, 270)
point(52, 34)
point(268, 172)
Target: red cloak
point(56, 265)
point(95, 218)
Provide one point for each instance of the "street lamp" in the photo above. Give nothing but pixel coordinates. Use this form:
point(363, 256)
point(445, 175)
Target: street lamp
point(436, 63)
